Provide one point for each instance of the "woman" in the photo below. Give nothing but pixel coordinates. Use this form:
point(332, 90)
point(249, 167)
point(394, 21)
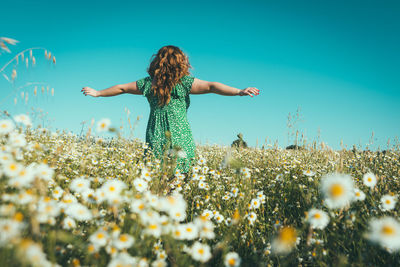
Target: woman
point(167, 90)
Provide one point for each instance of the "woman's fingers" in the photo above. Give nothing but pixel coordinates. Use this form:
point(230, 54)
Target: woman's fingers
point(251, 91)
point(86, 91)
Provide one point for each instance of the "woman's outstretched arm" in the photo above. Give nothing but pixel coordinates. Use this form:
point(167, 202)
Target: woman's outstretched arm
point(130, 88)
point(205, 87)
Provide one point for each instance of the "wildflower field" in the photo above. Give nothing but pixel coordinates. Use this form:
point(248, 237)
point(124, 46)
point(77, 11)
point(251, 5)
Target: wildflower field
point(81, 200)
point(70, 200)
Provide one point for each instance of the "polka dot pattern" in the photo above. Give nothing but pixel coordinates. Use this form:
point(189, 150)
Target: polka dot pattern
point(171, 117)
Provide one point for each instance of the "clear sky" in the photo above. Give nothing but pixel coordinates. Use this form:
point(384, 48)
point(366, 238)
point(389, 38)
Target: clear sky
point(336, 60)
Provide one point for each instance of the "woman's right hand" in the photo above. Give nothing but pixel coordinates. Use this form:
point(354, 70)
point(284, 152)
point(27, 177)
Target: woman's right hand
point(249, 91)
point(90, 91)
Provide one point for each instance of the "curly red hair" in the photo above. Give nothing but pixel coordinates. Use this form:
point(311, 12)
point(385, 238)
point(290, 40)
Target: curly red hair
point(167, 67)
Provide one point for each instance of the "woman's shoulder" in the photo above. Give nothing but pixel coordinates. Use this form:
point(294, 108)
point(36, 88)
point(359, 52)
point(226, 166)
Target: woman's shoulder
point(187, 80)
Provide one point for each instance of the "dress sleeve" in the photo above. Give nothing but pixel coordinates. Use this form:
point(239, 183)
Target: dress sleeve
point(187, 82)
point(141, 85)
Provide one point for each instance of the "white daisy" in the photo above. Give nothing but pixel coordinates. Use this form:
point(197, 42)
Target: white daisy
point(369, 179)
point(138, 205)
point(232, 259)
point(68, 223)
point(89, 195)
point(113, 187)
point(255, 203)
point(201, 161)
point(195, 169)
point(227, 196)
point(123, 241)
point(140, 184)
point(358, 194)
point(235, 191)
point(338, 190)
point(103, 125)
point(218, 217)
point(5, 157)
point(6, 126)
point(245, 172)
point(200, 252)
point(388, 202)
point(34, 254)
point(318, 219)
point(17, 140)
point(178, 215)
point(23, 179)
point(202, 185)
point(153, 228)
point(177, 232)
point(123, 259)
point(24, 119)
point(386, 232)
point(99, 238)
point(309, 173)
point(207, 214)
point(252, 216)
point(173, 204)
point(159, 263)
point(44, 172)
point(146, 174)
point(189, 231)
point(9, 229)
point(12, 168)
point(261, 196)
point(285, 241)
point(80, 184)
point(78, 212)
point(206, 227)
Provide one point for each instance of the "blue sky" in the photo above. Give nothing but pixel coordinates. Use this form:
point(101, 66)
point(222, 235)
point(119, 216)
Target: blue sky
point(336, 60)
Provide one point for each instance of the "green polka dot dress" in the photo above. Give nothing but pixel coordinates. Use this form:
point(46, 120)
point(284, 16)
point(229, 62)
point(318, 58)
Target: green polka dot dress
point(171, 117)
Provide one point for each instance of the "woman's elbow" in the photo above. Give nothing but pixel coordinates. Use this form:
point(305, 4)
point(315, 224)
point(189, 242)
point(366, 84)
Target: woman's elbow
point(211, 87)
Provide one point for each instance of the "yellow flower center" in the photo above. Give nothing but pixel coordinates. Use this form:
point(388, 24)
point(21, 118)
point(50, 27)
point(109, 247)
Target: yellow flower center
point(387, 230)
point(112, 188)
point(100, 235)
point(153, 226)
point(387, 201)
point(288, 235)
point(18, 216)
point(231, 261)
point(123, 238)
point(336, 190)
point(317, 215)
point(201, 251)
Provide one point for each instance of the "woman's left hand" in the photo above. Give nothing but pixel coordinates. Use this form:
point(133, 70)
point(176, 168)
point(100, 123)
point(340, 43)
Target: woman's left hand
point(90, 91)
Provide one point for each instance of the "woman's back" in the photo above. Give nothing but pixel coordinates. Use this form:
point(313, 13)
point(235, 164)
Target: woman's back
point(171, 117)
